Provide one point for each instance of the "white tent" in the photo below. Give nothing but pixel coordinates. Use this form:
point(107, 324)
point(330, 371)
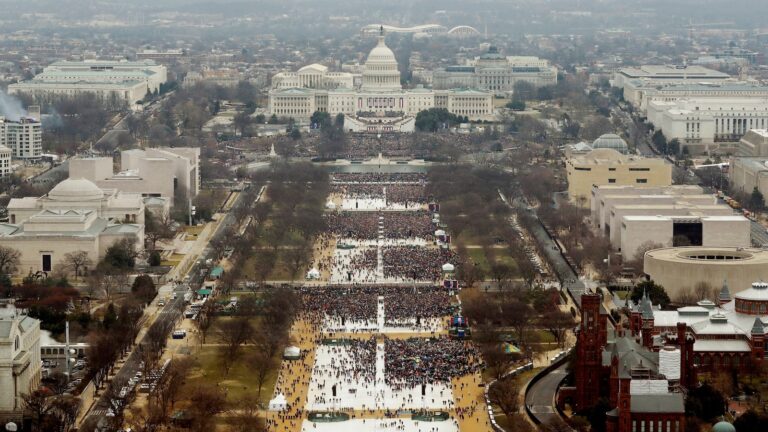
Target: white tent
point(313, 274)
point(292, 353)
point(330, 205)
point(278, 403)
point(439, 233)
point(448, 267)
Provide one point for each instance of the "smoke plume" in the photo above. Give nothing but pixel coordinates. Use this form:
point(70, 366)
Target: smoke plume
point(10, 107)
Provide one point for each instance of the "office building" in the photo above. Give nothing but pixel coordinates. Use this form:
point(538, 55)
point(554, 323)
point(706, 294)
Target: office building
point(116, 83)
point(162, 172)
point(606, 166)
point(23, 136)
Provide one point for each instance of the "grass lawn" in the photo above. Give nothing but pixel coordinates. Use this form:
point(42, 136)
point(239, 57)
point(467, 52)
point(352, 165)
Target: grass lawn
point(240, 381)
point(279, 272)
point(501, 255)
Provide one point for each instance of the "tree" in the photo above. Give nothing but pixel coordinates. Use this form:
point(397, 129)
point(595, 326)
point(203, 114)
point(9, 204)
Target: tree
point(77, 261)
point(157, 228)
point(673, 147)
point(705, 402)
point(432, 119)
point(516, 105)
point(655, 292)
point(644, 247)
point(233, 333)
point(557, 323)
point(596, 126)
point(121, 255)
point(756, 200)
point(505, 394)
point(751, 421)
point(320, 118)
point(144, 288)
point(262, 364)
point(9, 260)
point(206, 403)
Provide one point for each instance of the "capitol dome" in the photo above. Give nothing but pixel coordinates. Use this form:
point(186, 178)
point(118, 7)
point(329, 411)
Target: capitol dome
point(381, 72)
point(611, 141)
point(76, 189)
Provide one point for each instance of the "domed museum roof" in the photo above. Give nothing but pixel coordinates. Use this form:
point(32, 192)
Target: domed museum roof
point(611, 141)
point(76, 189)
point(723, 426)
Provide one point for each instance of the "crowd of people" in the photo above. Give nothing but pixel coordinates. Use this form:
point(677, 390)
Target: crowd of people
point(404, 304)
point(377, 177)
point(352, 361)
point(353, 225)
point(417, 263)
point(366, 225)
point(417, 361)
point(355, 303)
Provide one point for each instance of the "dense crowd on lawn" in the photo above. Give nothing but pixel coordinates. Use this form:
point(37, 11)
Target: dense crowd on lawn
point(378, 177)
point(356, 303)
point(353, 225)
point(419, 263)
point(402, 304)
point(415, 361)
point(365, 225)
point(408, 225)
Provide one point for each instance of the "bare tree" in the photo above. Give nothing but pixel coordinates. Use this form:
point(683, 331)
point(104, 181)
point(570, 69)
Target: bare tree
point(9, 260)
point(703, 290)
point(77, 261)
point(261, 365)
point(504, 393)
point(206, 403)
point(233, 333)
point(557, 323)
point(246, 417)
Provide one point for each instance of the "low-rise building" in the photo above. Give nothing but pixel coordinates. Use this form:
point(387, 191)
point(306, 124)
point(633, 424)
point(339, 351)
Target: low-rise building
point(45, 238)
point(747, 173)
point(80, 194)
point(20, 365)
point(607, 166)
point(680, 270)
point(114, 82)
point(162, 172)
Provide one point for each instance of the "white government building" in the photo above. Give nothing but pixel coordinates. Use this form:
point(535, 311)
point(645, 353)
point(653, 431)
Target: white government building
point(20, 364)
point(379, 105)
point(115, 82)
point(494, 72)
point(76, 215)
point(704, 109)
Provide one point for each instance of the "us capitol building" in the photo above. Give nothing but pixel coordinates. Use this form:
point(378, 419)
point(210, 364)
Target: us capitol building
point(379, 104)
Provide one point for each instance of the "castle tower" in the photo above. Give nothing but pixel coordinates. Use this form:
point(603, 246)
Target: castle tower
point(591, 340)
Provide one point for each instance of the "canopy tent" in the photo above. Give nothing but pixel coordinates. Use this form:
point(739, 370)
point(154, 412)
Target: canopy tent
point(439, 233)
point(508, 348)
point(448, 267)
point(217, 272)
point(313, 274)
point(292, 353)
point(330, 205)
point(203, 292)
point(278, 403)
